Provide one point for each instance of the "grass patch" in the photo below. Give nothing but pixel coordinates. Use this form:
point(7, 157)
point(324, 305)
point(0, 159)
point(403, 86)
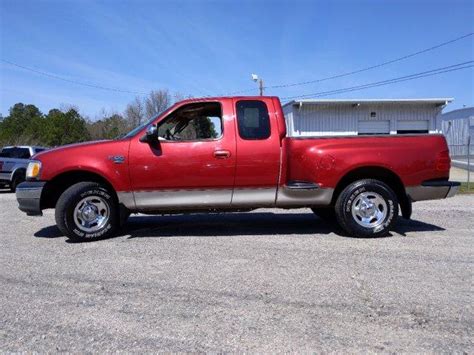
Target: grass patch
point(463, 188)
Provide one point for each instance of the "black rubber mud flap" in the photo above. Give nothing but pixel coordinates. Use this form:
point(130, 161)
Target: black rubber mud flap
point(406, 207)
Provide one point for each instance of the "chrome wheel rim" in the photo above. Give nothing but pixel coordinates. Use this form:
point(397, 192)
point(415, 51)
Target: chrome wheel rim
point(369, 209)
point(91, 214)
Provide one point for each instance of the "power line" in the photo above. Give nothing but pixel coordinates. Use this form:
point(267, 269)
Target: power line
point(54, 76)
point(362, 69)
point(437, 71)
point(375, 85)
point(389, 81)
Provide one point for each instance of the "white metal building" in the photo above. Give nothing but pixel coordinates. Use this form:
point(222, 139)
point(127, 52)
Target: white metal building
point(314, 117)
point(458, 126)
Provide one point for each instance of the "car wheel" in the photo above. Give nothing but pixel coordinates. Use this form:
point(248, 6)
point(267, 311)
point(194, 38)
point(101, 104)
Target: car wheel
point(17, 180)
point(327, 214)
point(87, 211)
point(367, 208)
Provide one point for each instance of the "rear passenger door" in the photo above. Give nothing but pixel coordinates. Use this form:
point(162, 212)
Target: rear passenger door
point(258, 153)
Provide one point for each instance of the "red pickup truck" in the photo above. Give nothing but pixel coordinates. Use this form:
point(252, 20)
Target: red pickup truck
point(232, 154)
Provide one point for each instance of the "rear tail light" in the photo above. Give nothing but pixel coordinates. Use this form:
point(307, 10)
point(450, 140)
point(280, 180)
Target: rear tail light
point(443, 161)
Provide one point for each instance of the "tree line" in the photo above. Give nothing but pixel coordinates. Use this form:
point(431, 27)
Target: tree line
point(27, 125)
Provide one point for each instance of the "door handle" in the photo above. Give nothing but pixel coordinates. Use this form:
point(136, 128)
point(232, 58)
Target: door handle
point(221, 154)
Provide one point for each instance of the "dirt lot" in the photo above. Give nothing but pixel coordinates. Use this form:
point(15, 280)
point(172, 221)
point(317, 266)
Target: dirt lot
point(262, 281)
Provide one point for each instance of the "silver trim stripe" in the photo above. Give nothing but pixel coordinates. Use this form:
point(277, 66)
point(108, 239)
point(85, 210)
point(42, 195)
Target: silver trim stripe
point(176, 199)
point(423, 193)
point(301, 198)
point(256, 197)
point(224, 198)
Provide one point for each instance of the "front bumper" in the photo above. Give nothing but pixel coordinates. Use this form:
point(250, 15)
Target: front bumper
point(28, 195)
point(433, 190)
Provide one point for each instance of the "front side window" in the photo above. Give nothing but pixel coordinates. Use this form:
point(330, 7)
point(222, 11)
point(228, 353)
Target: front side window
point(23, 153)
point(198, 121)
point(253, 120)
point(15, 153)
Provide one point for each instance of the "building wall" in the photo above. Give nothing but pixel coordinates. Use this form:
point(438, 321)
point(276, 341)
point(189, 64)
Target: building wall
point(457, 126)
point(343, 119)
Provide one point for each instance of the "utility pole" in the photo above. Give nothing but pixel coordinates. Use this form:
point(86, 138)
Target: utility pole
point(256, 79)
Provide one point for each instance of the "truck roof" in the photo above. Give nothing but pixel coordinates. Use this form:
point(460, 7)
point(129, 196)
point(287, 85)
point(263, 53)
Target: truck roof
point(217, 98)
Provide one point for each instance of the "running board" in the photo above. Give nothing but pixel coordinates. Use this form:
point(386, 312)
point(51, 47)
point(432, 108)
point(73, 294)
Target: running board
point(301, 185)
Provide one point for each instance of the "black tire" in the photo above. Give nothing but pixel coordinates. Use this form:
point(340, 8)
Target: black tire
point(385, 201)
point(18, 178)
point(327, 214)
point(72, 197)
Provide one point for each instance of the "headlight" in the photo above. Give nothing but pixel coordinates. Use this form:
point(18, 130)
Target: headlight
point(34, 169)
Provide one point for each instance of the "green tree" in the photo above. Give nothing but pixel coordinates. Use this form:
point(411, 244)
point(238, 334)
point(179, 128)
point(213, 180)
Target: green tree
point(108, 127)
point(22, 126)
point(64, 128)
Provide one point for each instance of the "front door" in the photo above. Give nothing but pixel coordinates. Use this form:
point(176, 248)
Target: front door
point(192, 165)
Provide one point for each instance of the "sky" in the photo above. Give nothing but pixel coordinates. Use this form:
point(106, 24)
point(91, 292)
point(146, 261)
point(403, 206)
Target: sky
point(210, 48)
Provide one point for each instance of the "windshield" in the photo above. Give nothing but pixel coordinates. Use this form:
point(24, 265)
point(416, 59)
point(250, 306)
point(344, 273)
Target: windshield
point(139, 128)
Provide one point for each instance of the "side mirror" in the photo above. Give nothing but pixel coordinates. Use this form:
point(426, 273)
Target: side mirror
point(151, 134)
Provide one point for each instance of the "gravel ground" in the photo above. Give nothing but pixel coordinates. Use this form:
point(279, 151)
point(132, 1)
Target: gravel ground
point(267, 281)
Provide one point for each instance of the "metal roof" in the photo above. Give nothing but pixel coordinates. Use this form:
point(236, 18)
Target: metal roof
point(464, 112)
point(434, 101)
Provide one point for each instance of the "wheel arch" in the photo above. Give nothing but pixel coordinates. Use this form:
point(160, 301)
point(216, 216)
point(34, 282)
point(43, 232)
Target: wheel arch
point(18, 170)
point(61, 182)
point(383, 174)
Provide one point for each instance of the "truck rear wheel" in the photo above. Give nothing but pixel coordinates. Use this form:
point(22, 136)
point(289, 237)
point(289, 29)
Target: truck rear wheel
point(87, 211)
point(367, 208)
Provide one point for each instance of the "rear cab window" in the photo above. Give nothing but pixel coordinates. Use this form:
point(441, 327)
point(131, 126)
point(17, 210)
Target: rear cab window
point(253, 119)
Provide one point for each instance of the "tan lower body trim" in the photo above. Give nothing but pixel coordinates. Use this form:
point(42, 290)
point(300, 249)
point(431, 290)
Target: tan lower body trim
point(422, 193)
point(304, 197)
point(223, 198)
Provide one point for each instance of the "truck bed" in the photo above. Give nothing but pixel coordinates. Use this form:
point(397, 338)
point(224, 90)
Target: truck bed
point(326, 160)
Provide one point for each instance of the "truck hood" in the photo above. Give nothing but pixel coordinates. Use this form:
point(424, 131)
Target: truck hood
point(108, 159)
point(83, 147)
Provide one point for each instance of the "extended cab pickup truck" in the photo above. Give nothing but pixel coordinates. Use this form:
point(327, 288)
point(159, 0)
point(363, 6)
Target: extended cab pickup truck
point(232, 154)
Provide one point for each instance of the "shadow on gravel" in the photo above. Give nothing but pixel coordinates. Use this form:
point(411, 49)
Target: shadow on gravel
point(235, 224)
point(49, 232)
point(410, 225)
point(231, 224)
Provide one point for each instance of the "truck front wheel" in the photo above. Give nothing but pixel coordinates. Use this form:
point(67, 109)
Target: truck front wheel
point(87, 211)
point(367, 208)
point(17, 180)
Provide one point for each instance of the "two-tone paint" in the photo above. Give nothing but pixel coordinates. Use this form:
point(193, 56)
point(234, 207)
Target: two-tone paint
point(231, 172)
